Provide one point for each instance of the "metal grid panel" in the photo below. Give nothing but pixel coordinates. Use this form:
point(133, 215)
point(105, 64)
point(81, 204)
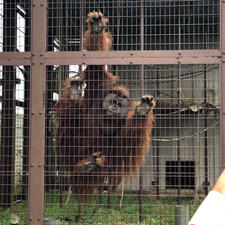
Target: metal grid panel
point(14, 143)
point(181, 166)
point(185, 155)
point(14, 26)
point(172, 25)
point(138, 25)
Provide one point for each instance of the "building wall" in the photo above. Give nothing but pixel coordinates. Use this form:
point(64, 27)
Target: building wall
point(199, 131)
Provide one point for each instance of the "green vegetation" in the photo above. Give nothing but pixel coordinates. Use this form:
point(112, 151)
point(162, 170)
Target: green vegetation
point(155, 212)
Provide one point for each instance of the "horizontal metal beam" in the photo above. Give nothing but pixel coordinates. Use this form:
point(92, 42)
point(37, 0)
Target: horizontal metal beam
point(133, 57)
point(115, 57)
point(15, 58)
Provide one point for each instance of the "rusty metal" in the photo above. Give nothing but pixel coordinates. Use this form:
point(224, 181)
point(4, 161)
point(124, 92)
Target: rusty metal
point(37, 116)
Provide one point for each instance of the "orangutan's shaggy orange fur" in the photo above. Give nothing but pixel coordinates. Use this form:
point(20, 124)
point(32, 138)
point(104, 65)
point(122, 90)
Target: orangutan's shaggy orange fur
point(84, 126)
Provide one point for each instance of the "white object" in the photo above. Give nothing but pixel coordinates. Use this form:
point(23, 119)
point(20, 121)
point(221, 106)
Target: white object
point(211, 211)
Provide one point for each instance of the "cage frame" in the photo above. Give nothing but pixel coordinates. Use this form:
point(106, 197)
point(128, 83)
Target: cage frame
point(38, 58)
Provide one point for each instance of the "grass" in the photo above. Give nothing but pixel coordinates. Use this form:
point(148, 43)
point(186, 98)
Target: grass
point(155, 212)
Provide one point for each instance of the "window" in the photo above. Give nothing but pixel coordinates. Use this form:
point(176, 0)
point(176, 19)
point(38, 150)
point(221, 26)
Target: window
point(20, 29)
point(1, 25)
point(187, 175)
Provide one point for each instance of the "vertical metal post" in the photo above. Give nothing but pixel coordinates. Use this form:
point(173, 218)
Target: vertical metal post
point(81, 26)
point(37, 113)
point(59, 80)
point(181, 214)
point(7, 166)
point(7, 148)
point(205, 135)
point(178, 137)
point(141, 91)
point(222, 77)
point(157, 143)
point(26, 120)
point(179, 117)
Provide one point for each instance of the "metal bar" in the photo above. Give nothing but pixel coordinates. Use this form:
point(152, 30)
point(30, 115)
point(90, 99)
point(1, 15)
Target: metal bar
point(222, 77)
point(141, 195)
point(205, 134)
point(181, 214)
point(81, 26)
point(141, 92)
point(179, 119)
point(132, 57)
point(7, 159)
point(26, 123)
point(157, 143)
point(117, 57)
point(137, 54)
point(131, 61)
point(15, 58)
point(37, 121)
point(26, 119)
point(178, 137)
point(115, 61)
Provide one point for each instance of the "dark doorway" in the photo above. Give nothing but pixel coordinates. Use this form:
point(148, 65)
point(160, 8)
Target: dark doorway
point(187, 174)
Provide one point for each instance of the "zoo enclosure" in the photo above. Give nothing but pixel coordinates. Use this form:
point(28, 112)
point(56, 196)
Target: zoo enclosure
point(180, 40)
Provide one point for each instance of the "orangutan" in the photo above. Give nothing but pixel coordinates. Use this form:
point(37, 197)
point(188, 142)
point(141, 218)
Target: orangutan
point(100, 133)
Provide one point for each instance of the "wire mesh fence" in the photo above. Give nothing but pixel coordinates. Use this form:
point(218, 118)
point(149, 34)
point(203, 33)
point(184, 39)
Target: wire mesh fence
point(133, 128)
point(157, 25)
point(186, 134)
point(15, 26)
point(14, 141)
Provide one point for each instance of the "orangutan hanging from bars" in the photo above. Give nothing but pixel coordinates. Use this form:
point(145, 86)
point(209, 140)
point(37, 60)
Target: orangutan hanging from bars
point(101, 134)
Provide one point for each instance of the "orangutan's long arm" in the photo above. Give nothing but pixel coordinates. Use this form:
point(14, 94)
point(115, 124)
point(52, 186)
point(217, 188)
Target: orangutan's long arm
point(137, 132)
point(96, 38)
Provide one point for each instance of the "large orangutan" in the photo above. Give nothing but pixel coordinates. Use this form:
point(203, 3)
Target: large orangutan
point(100, 134)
